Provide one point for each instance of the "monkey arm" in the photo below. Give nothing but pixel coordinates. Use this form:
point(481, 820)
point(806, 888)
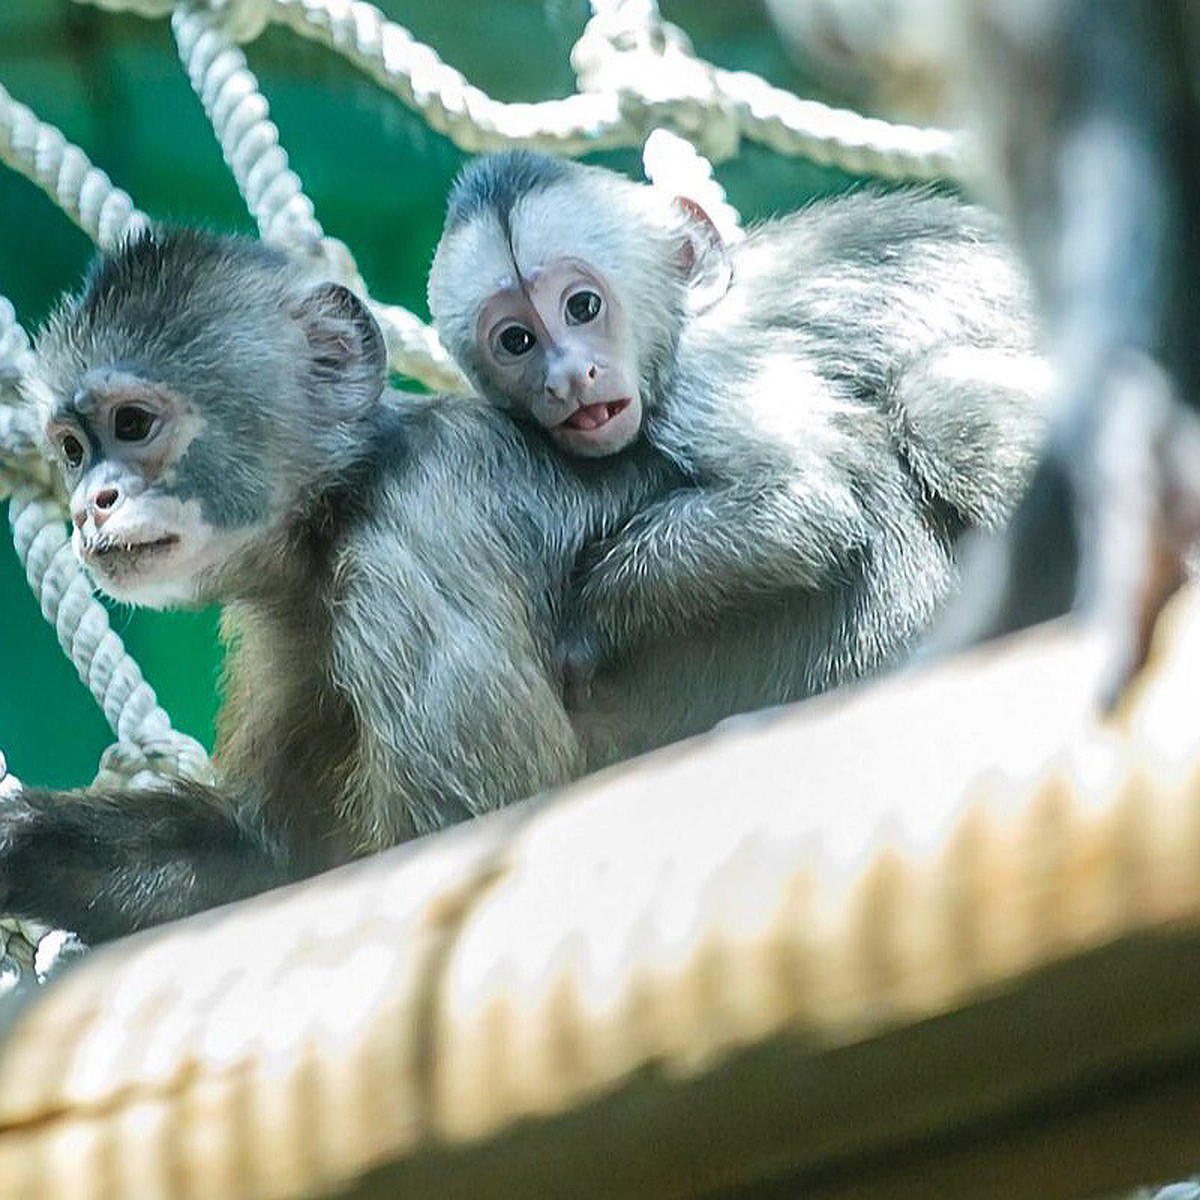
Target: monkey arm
point(105, 864)
point(1114, 507)
point(699, 552)
point(436, 662)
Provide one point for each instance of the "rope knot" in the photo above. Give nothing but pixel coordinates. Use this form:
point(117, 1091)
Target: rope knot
point(242, 20)
point(21, 456)
point(628, 49)
point(172, 756)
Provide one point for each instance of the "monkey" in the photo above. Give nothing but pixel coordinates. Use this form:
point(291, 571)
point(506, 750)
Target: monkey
point(1089, 115)
point(846, 393)
point(388, 569)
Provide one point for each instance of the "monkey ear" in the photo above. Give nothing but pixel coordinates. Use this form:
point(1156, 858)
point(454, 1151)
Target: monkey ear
point(348, 354)
point(703, 256)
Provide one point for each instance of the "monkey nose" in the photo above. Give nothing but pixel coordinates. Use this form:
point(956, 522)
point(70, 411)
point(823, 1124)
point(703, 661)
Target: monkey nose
point(573, 384)
point(103, 504)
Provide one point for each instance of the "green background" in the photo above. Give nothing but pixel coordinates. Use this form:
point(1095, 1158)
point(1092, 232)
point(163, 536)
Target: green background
point(378, 178)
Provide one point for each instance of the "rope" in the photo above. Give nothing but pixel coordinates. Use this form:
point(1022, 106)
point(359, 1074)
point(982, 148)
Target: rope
point(636, 73)
point(20, 437)
point(672, 163)
point(249, 141)
point(837, 137)
point(82, 625)
point(40, 152)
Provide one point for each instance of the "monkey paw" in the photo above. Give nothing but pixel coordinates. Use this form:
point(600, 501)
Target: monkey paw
point(10, 785)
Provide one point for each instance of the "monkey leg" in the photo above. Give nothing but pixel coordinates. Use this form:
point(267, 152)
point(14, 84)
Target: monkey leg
point(1106, 525)
point(1096, 124)
point(965, 420)
point(105, 864)
point(1140, 509)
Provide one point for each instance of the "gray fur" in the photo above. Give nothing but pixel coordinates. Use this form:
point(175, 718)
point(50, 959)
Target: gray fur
point(840, 416)
point(396, 621)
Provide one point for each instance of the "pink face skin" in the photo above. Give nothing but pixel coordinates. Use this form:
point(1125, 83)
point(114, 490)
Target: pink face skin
point(556, 343)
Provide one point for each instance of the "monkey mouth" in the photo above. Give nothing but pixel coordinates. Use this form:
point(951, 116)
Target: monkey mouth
point(112, 549)
point(589, 417)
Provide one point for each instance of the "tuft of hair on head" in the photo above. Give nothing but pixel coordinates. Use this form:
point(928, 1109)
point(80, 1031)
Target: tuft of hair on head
point(495, 182)
point(165, 258)
point(168, 293)
point(252, 338)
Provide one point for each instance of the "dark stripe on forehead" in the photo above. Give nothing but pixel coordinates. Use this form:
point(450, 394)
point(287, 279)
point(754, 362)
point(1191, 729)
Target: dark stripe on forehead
point(496, 182)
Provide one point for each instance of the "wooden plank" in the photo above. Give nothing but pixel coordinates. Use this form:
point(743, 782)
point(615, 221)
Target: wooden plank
point(933, 937)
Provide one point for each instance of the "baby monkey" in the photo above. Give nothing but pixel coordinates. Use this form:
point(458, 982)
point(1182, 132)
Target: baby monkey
point(844, 394)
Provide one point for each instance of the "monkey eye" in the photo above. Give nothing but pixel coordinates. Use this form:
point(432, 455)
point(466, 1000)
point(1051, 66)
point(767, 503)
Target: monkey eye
point(72, 451)
point(132, 423)
point(517, 340)
point(583, 307)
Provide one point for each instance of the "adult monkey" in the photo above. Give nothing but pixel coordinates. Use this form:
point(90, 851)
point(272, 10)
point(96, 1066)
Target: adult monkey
point(845, 393)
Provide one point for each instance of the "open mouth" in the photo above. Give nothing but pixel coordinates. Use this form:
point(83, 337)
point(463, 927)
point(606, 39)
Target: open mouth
point(129, 549)
point(591, 417)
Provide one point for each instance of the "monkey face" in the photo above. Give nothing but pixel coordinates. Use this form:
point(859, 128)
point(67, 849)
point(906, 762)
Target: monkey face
point(555, 344)
point(200, 395)
point(563, 291)
point(122, 444)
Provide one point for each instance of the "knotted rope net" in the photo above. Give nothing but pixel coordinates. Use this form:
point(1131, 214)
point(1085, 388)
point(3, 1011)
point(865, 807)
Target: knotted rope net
point(639, 85)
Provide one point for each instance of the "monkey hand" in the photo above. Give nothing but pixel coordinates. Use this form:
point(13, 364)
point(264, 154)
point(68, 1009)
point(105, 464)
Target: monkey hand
point(14, 815)
point(10, 785)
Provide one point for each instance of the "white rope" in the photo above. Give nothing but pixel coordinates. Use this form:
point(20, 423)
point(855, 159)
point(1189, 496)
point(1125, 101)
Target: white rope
point(447, 102)
point(630, 85)
point(20, 437)
point(41, 153)
point(249, 141)
point(82, 625)
point(673, 163)
point(837, 137)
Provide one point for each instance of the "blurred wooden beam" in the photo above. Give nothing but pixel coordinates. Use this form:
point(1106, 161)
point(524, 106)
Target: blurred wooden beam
point(937, 937)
